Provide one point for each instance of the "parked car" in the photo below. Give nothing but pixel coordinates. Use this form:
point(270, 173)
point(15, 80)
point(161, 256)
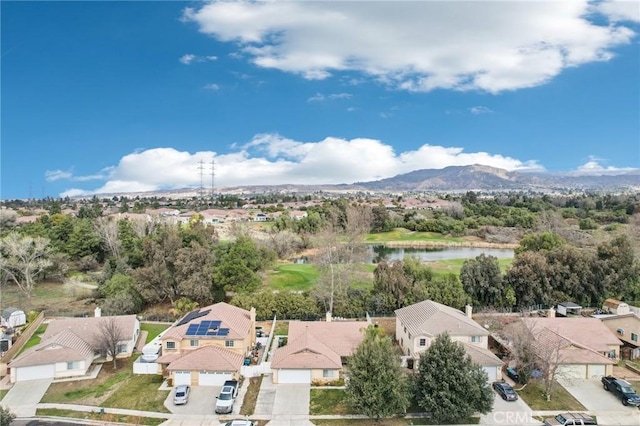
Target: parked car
point(181, 396)
point(570, 419)
point(622, 389)
point(226, 397)
point(505, 391)
point(240, 423)
point(513, 374)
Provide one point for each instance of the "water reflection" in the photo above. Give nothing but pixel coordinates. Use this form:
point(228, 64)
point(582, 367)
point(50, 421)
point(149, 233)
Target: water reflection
point(378, 253)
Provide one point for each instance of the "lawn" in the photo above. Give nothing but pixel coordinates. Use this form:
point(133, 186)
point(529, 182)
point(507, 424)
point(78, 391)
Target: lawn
point(293, 277)
point(329, 401)
point(3, 392)
point(117, 389)
point(401, 234)
point(561, 400)
point(282, 328)
point(251, 397)
point(398, 421)
point(54, 297)
point(153, 330)
point(95, 415)
point(35, 339)
point(441, 267)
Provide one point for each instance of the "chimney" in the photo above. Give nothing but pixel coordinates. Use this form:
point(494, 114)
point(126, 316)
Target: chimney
point(328, 316)
point(97, 312)
point(468, 311)
point(252, 314)
point(551, 313)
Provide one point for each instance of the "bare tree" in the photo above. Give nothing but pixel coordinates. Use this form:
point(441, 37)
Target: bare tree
point(8, 219)
point(23, 259)
point(539, 348)
point(109, 337)
point(107, 230)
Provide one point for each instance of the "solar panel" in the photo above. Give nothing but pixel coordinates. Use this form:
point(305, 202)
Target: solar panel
point(193, 315)
point(223, 332)
point(192, 330)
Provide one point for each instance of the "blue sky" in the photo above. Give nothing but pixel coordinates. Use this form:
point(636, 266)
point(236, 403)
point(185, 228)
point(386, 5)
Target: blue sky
point(128, 96)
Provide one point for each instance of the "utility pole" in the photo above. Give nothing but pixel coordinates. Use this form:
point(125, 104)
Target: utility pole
point(213, 173)
point(201, 168)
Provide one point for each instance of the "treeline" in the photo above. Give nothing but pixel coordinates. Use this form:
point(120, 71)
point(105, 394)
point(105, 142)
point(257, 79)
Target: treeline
point(144, 263)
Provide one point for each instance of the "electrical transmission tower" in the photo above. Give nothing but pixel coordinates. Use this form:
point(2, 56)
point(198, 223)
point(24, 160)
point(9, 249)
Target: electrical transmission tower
point(213, 174)
point(201, 169)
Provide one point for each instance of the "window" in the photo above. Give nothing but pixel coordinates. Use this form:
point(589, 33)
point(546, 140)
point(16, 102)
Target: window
point(476, 339)
point(634, 337)
point(73, 365)
point(228, 343)
point(423, 342)
point(171, 345)
point(328, 374)
point(193, 342)
point(122, 348)
point(620, 331)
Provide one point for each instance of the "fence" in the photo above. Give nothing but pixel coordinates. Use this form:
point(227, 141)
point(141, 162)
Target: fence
point(22, 340)
point(256, 370)
point(140, 367)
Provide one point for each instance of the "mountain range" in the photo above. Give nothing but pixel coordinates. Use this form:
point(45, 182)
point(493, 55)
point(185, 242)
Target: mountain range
point(449, 179)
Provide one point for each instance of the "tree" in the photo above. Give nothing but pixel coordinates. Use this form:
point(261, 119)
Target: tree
point(377, 387)
point(237, 265)
point(448, 385)
point(482, 280)
point(23, 259)
point(107, 230)
point(6, 416)
point(542, 241)
point(108, 338)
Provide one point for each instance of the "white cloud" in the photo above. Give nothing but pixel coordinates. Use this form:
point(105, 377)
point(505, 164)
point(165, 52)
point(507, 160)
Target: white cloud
point(212, 86)
point(54, 175)
point(340, 96)
point(189, 58)
point(422, 45)
point(319, 97)
point(271, 159)
point(594, 167)
point(623, 10)
point(479, 109)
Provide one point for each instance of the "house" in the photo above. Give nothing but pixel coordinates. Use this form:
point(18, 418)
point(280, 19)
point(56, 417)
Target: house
point(584, 347)
point(316, 350)
point(615, 307)
point(626, 327)
point(70, 345)
point(208, 345)
point(13, 317)
point(418, 324)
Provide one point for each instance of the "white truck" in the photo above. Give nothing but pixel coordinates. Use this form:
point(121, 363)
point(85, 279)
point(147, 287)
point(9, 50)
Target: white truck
point(226, 397)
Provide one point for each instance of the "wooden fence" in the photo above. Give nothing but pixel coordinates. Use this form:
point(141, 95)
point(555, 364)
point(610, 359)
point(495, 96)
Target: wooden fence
point(22, 340)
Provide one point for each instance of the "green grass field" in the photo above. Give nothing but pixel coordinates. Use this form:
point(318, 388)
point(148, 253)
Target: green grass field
point(293, 277)
point(402, 234)
point(440, 267)
point(153, 330)
point(35, 339)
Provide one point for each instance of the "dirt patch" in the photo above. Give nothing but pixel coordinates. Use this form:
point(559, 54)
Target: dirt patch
point(388, 324)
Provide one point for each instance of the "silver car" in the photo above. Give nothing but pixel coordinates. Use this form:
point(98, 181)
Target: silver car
point(181, 396)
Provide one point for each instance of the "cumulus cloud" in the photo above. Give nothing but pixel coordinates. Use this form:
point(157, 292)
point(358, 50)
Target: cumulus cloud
point(271, 159)
point(319, 97)
point(423, 45)
point(212, 86)
point(54, 175)
point(476, 110)
point(189, 58)
point(595, 167)
point(623, 10)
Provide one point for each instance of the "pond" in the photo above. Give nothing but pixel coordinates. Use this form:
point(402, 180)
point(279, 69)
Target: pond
point(377, 253)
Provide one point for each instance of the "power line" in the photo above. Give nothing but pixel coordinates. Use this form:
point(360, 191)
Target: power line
point(201, 168)
point(213, 173)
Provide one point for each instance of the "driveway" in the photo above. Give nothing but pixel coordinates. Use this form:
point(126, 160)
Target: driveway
point(508, 413)
point(591, 394)
point(202, 400)
point(23, 397)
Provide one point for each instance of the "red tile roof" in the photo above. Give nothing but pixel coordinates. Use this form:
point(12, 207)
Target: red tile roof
point(208, 358)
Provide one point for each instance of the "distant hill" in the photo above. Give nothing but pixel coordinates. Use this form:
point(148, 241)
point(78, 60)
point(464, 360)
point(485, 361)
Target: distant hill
point(448, 179)
point(486, 178)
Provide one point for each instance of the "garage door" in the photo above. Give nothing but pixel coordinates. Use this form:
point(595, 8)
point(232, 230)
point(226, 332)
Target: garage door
point(492, 373)
point(213, 378)
point(181, 378)
point(294, 376)
point(596, 371)
point(571, 371)
point(34, 373)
